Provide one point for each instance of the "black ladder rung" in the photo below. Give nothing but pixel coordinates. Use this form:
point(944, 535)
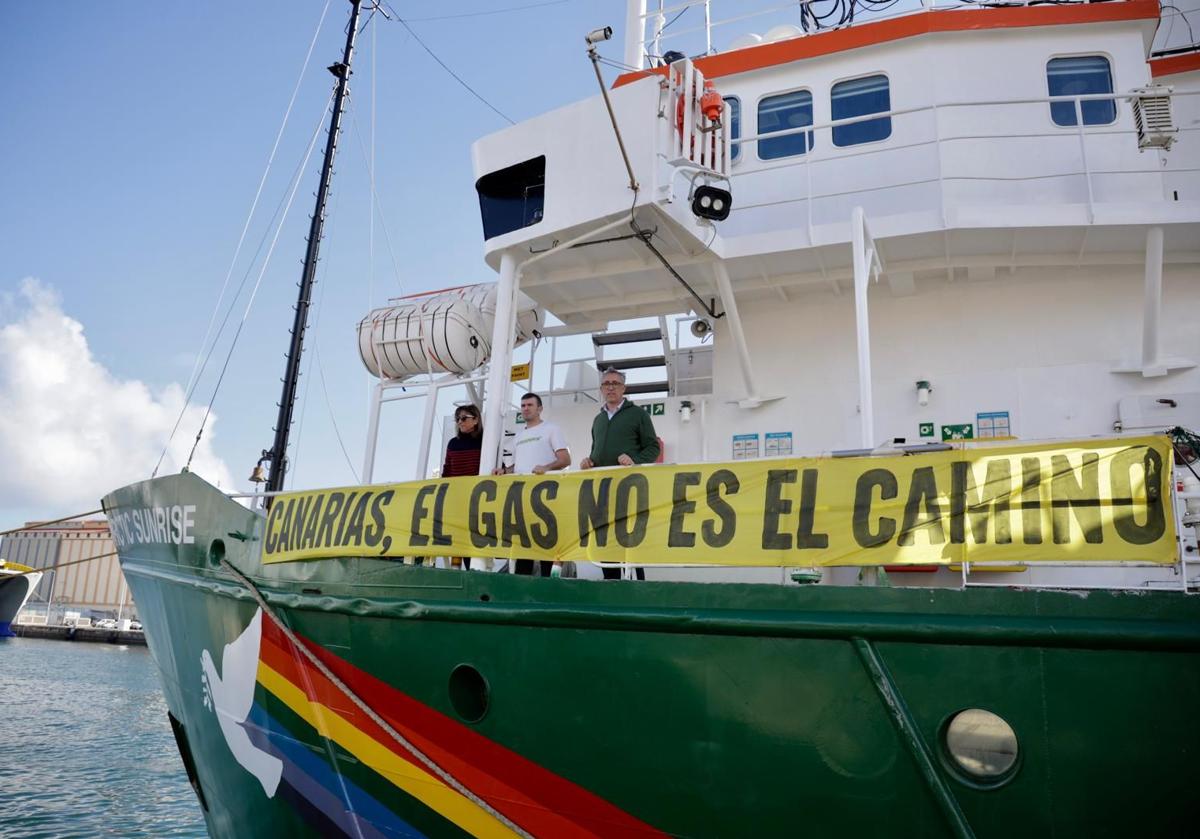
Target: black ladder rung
point(632, 363)
point(605, 339)
point(647, 387)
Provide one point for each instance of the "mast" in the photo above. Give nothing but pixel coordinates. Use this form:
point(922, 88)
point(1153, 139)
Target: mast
point(277, 454)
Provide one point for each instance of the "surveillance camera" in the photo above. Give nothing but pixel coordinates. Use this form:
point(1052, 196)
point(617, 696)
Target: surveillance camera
point(598, 35)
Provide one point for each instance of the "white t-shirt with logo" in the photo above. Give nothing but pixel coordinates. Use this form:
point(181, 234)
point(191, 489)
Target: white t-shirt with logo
point(536, 446)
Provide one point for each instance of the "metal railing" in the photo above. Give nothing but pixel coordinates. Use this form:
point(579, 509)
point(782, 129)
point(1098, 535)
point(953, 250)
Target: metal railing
point(822, 153)
point(652, 24)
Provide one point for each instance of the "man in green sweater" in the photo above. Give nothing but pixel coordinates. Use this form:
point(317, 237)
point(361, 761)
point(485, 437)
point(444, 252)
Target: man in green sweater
point(622, 435)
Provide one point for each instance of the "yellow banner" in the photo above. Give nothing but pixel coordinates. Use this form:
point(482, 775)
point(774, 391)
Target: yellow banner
point(1095, 500)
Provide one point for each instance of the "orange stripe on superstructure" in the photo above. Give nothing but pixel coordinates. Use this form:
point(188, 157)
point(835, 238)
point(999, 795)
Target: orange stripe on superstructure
point(909, 26)
point(1173, 64)
point(516, 805)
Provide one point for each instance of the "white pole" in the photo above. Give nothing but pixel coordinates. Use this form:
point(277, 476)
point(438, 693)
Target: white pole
point(431, 399)
point(862, 274)
point(496, 395)
point(121, 602)
point(1153, 299)
point(372, 433)
point(725, 289)
point(635, 33)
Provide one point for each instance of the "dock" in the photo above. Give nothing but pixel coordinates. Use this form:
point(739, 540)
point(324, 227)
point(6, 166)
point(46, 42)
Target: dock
point(81, 633)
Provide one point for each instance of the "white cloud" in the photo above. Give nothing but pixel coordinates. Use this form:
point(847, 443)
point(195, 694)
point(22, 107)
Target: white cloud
point(70, 431)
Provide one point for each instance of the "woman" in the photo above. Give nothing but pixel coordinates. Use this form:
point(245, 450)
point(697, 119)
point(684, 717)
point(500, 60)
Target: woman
point(463, 450)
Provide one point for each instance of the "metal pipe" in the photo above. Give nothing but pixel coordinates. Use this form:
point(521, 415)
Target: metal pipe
point(862, 274)
point(1152, 303)
point(725, 289)
point(595, 57)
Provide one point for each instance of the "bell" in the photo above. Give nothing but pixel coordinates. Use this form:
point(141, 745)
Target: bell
point(259, 475)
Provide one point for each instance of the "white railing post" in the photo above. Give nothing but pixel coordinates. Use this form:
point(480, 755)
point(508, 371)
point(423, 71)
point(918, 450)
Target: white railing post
point(1087, 172)
point(1152, 302)
point(373, 429)
point(862, 276)
point(431, 399)
point(725, 290)
point(499, 373)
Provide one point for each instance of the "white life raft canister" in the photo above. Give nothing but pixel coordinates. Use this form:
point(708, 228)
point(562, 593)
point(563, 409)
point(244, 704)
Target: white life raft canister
point(446, 331)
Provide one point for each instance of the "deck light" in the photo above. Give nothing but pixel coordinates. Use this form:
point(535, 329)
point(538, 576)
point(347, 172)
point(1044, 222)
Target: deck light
point(923, 391)
point(712, 203)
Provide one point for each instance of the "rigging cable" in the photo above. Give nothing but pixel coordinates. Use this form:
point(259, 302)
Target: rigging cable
point(446, 67)
point(258, 282)
point(202, 358)
point(489, 12)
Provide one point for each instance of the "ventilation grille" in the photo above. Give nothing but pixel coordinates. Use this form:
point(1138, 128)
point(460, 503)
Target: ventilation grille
point(1152, 116)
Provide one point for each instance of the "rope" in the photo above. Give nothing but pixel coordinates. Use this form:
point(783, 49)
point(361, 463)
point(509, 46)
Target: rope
point(202, 360)
point(254, 291)
point(46, 523)
point(404, 742)
point(66, 564)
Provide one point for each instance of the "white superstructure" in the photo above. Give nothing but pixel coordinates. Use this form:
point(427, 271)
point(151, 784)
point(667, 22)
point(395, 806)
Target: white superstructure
point(951, 220)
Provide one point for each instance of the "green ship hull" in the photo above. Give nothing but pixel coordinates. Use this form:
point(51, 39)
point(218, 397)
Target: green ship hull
point(369, 698)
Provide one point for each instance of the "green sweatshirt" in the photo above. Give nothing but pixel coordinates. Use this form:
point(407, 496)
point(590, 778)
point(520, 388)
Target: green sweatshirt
point(628, 432)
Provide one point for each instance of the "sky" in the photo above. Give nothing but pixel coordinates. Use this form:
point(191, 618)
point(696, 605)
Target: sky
point(135, 136)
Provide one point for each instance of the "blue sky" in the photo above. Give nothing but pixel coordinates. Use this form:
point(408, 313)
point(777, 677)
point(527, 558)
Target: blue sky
point(135, 136)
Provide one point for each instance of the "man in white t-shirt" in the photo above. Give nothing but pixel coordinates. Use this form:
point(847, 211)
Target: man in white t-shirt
point(538, 448)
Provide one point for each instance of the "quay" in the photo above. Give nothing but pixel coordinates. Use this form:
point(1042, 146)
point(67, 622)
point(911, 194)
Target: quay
point(80, 633)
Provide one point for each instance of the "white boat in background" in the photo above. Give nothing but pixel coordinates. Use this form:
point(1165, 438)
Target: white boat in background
point(17, 583)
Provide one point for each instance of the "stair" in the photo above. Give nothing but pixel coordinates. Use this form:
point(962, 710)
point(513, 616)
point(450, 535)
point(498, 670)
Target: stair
point(607, 339)
point(633, 363)
point(602, 340)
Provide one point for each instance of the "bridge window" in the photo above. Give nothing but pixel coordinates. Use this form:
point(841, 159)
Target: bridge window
point(856, 98)
point(780, 113)
point(1078, 76)
point(513, 197)
point(735, 125)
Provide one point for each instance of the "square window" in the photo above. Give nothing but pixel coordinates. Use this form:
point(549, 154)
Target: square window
point(856, 98)
point(1078, 76)
point(780, 113)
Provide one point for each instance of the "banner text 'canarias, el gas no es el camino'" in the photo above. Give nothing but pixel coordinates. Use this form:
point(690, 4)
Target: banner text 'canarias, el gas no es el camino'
point(1100, 500)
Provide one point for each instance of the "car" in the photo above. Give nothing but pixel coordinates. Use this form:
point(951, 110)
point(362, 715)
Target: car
point(106, 623)
point(136, 626)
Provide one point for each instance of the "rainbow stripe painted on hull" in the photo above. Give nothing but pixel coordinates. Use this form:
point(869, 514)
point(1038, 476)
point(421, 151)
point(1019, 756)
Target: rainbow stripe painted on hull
point(344, 773)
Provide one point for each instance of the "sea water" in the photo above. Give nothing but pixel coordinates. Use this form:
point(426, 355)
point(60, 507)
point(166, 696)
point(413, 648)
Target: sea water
point(85, 745)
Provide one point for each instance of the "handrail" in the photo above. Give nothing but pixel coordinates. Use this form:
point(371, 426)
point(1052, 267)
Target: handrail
point(651, 34)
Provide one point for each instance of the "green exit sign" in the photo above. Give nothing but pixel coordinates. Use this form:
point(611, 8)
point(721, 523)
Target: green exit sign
point(926, 429)
point(655, 409)
point(962, 431)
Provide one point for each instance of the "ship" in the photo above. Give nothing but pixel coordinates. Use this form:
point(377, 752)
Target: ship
point(919, 556)
point(17, 584)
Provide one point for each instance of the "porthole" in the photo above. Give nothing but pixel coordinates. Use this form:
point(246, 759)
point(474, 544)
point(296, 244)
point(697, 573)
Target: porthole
point(981, 746)
point(469, 693)
point(216, 552)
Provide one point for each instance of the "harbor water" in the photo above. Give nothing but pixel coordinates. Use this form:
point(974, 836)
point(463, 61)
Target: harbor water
point(85, 745)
